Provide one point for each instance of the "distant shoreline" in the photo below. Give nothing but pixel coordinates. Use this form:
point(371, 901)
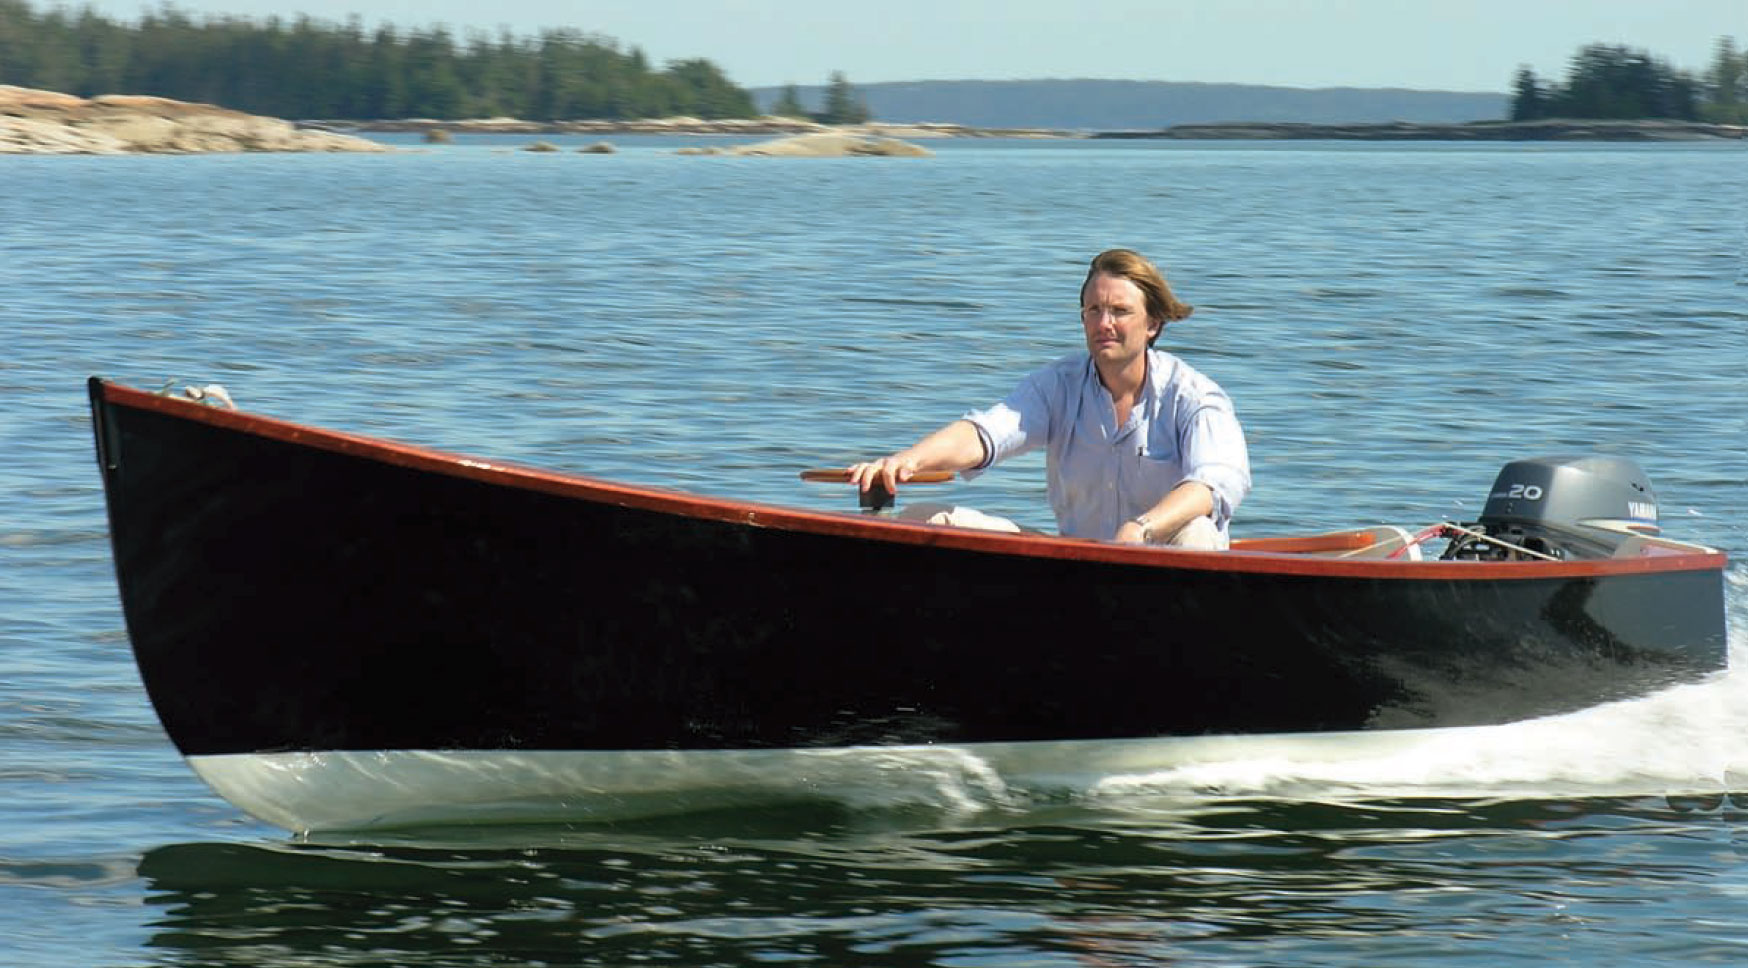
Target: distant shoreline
point(1551, 130)
point(48, 122)
point(1547, 130)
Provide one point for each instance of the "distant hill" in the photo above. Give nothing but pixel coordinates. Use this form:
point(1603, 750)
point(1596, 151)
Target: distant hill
point(1127, 105)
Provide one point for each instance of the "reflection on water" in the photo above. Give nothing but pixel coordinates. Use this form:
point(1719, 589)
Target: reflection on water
point(1156, 882)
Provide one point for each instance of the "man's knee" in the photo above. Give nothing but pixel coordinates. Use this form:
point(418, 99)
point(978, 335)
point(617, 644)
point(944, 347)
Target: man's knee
point(959, 517)
point(1199, 534)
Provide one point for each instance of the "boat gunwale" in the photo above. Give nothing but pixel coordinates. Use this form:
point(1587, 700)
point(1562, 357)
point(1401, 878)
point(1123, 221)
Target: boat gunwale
point(887, 529)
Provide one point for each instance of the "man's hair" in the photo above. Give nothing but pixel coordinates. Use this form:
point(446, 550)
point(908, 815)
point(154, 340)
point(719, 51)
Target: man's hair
point(1155, 291)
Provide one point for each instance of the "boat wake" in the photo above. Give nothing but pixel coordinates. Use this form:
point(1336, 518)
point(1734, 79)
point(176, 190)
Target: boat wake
point(1689, 739)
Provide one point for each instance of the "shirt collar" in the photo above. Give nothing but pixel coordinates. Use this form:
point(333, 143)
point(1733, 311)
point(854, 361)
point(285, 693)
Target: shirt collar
point(1158, 365)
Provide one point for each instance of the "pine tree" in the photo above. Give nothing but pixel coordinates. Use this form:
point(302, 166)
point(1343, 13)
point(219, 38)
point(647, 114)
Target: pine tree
point(1528, 99)
point(842, 104)
point(1727, 85)
point(789, 104)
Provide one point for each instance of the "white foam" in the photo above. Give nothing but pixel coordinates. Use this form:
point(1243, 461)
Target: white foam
point(1686, 739)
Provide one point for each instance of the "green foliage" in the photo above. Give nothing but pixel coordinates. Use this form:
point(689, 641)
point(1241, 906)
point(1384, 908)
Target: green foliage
point(1611, 81)
point(312, 69)
point(706, 93)
point(842, 104)
point(788, 104)
point(1607, 81)
point(1727, 85)
point(1528, 96)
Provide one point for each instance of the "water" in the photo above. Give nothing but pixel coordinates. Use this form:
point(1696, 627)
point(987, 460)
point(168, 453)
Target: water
point(1394, 321)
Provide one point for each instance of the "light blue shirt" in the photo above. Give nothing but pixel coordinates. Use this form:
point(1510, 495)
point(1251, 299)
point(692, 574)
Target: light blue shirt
point(1182, 428)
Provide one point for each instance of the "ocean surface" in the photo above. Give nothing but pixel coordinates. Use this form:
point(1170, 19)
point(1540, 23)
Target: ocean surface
point(1395, 322)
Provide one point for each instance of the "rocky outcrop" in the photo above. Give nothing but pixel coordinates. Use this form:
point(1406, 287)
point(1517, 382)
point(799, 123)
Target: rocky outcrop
point(675, 125)
point(825, 144)
point(50, 123)
point(742, 127)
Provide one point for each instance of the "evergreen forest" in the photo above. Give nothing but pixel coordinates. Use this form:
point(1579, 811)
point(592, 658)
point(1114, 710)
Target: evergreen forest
point(311, 69)
point(1618, 82)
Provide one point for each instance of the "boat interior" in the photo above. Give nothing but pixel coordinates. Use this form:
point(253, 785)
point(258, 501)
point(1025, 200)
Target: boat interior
point(1392, 542)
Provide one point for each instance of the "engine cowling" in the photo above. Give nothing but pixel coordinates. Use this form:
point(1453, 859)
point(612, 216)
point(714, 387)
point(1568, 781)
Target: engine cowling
point(1562, 507)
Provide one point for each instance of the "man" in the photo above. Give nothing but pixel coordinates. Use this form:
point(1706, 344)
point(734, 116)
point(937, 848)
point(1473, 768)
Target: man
point(1140, 447)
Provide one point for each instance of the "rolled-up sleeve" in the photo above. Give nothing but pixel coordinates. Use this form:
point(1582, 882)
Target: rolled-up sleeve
point(1214, 454)
point(1018, 423)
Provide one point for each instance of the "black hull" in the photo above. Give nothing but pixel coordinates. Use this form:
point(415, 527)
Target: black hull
point(288, 589)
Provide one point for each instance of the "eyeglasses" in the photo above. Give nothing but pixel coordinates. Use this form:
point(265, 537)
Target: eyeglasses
point(1118, 313)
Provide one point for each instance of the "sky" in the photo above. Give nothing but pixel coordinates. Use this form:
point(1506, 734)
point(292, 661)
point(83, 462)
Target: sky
point(1451, 45)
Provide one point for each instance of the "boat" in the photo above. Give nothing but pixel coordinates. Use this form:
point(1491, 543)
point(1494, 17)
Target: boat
point(339, 632)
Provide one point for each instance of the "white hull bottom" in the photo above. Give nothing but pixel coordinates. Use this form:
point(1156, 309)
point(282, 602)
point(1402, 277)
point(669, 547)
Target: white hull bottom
point(358, 790)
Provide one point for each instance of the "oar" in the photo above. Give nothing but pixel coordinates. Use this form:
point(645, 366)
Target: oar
point(876, 498)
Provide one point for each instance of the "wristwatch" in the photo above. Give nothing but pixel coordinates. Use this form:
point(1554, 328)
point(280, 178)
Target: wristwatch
point(1146, 524)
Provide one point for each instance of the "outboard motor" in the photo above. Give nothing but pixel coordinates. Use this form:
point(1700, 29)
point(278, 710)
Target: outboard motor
point(1560, 507)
